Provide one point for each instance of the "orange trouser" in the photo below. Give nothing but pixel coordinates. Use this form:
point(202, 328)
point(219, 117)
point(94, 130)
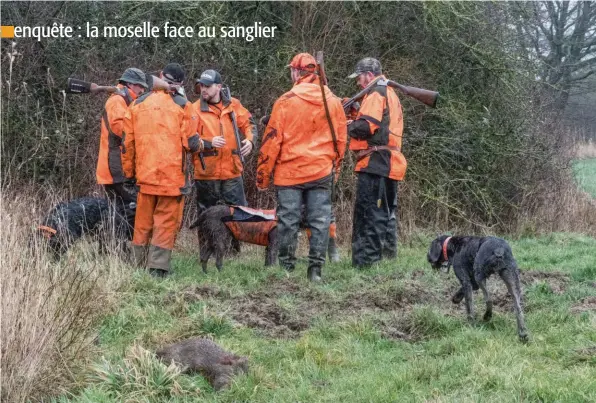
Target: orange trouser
point(158, 220)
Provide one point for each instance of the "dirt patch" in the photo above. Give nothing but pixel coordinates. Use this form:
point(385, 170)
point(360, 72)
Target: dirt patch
point(192, 293)
point(557, 280)
point(283, 308)
point(395, 297)
point(261, 311)
point(587, 304)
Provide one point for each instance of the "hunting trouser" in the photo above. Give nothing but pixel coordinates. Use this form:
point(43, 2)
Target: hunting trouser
point(374, 231)
point(157, 224)
point(316, 197)
point(211, 192)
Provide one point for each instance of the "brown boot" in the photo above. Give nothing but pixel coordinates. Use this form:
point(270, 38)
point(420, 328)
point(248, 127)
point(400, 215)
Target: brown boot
point(139, 255)
point(159, 260)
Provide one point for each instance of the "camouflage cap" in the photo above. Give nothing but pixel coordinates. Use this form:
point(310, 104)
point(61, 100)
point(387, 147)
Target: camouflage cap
point(367, 64)
point(134, 76)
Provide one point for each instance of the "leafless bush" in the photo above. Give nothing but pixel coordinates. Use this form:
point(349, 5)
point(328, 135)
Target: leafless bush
point(49, 309)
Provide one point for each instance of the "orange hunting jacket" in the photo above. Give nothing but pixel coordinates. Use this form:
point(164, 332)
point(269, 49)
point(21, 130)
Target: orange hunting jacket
point(215, 120)
point(159, 128)
point(380, 123)
point(109, 164)
point(297, 145)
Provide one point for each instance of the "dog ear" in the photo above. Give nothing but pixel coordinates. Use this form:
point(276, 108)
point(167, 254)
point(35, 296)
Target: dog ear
point(434, 252)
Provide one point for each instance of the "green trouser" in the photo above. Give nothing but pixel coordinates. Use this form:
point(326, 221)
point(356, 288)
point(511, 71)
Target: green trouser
point(316, 197)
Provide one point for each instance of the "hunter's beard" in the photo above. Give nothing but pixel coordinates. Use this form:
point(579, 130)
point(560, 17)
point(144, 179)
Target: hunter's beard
point(210, 99)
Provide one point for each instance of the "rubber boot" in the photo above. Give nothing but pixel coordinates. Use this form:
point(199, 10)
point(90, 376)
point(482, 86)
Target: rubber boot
point(332, 251)
point(314, 274)
point(159, 261)
point(139, 255)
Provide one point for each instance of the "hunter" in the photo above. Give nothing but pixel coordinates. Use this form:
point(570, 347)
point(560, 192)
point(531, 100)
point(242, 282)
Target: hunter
point(221, 180)
point(159, 128)
point(376, 137)
point(109, 172)
point(297, 147)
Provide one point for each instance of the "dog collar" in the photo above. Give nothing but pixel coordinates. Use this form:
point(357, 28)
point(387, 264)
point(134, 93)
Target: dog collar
point(47, 231)
point(445, 242)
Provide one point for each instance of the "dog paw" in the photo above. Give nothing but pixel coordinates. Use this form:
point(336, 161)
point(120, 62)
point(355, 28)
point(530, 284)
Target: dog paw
point(487, 316)
point(523, 337)
point(456, 299)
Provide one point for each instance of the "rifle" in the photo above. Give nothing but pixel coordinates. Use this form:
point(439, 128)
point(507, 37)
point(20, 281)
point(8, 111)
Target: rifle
point(228, 95)
point(322, 83)
point(427, 97)
point(76, 86)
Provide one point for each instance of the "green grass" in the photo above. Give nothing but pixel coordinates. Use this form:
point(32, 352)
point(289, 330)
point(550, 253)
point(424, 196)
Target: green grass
point(585, 174)
point(388, 334)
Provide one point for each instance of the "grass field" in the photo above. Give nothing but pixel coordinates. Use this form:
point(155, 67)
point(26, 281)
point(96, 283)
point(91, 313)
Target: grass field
point(388, 334)
point(585, 173)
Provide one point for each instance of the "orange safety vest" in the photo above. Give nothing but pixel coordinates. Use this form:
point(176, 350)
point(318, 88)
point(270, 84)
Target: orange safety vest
point(109, 163)
point(382, 110)
point(250, 225)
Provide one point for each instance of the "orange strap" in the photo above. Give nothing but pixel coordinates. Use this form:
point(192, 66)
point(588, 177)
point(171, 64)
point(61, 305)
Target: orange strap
point(47, 231)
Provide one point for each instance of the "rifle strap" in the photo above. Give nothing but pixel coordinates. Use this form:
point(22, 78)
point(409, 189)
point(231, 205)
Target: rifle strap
point(329, 122)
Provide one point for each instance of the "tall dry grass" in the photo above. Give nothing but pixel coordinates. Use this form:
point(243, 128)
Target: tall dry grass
point(49, 309)
point(583, 150)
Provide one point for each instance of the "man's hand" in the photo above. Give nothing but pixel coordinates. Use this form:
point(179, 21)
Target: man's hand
point(218, 141)
point(246, 147)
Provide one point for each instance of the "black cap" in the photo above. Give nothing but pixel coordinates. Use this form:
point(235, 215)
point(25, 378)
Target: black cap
point(367, 64)
point(209, 77)
point(173, 72)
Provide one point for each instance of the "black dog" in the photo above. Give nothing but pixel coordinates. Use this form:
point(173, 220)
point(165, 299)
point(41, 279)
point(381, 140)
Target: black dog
point(215, 237)
point(68, 222)
point(474, 260)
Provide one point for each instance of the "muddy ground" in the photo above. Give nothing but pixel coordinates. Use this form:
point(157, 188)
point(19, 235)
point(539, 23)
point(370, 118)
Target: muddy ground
point(285, 309)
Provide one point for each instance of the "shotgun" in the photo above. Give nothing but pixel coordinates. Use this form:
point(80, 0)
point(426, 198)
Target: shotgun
point(228, 95)
point(322, 83)
point(76, 86)
point(427, 97)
